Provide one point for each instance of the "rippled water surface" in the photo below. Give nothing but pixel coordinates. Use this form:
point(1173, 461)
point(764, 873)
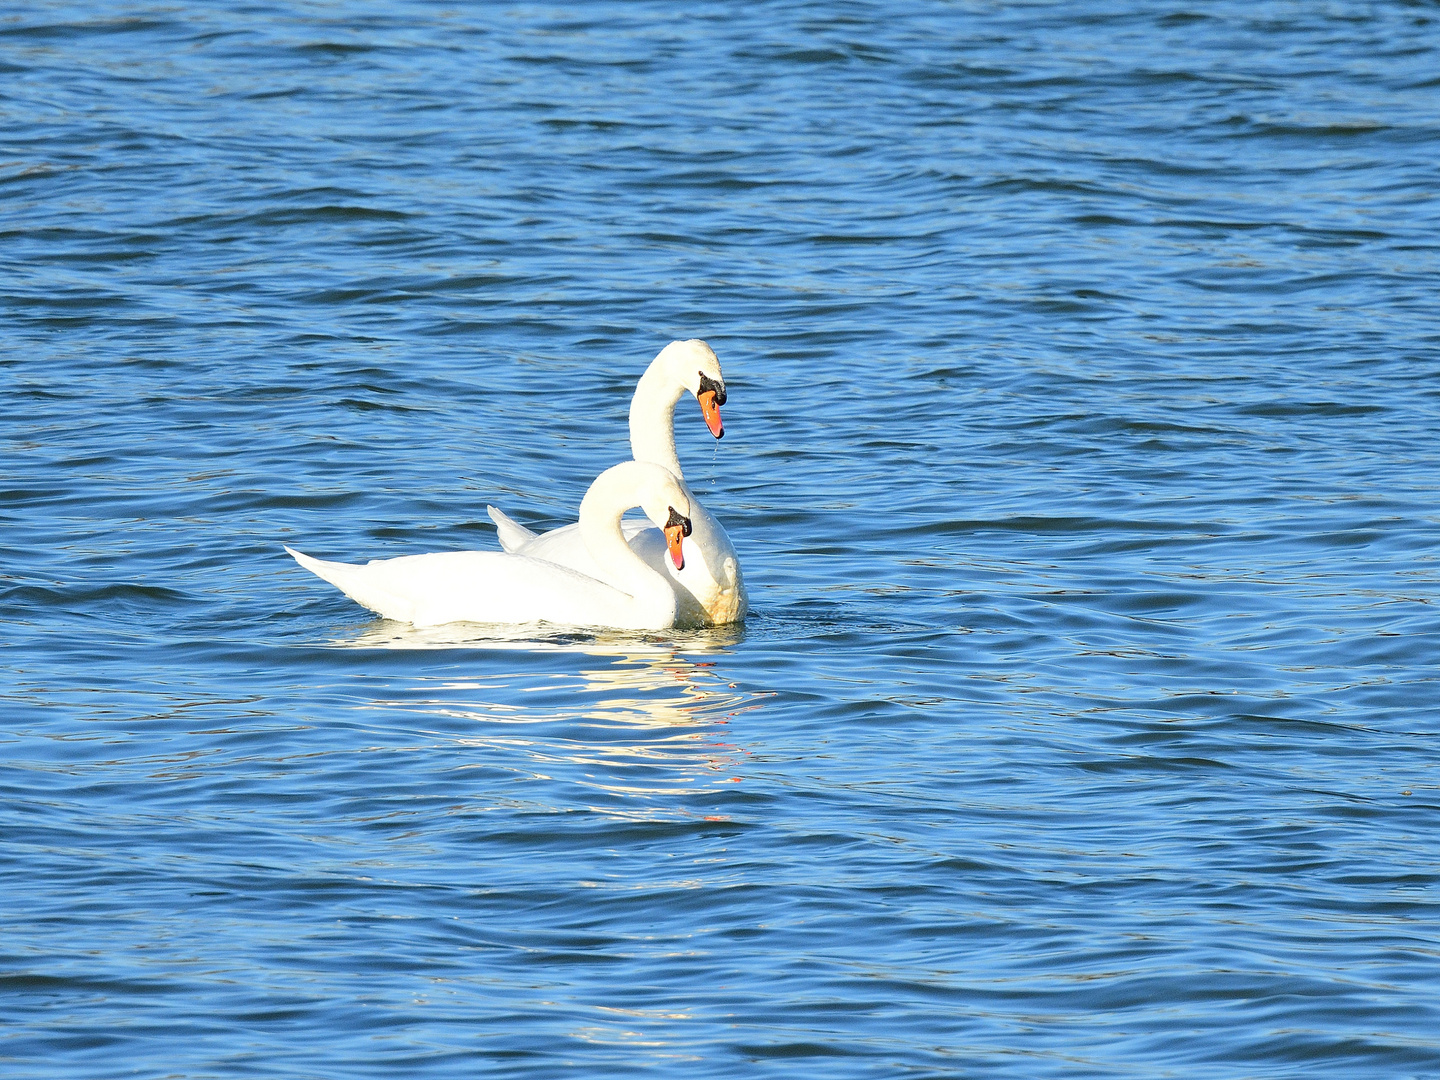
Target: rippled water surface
point(1084, 373)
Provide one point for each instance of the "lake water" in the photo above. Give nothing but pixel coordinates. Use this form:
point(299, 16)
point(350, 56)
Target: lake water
point(1084, 384)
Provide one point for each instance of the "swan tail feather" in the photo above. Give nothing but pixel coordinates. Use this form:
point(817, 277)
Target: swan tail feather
point(513, 536)
point(360, 586)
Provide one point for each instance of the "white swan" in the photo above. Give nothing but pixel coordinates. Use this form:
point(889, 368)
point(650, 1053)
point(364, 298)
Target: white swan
point(497, 587)
point(711, 588)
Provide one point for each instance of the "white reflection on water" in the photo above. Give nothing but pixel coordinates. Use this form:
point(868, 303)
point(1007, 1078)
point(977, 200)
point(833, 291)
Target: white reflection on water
point(385, 634)
point(640, 722)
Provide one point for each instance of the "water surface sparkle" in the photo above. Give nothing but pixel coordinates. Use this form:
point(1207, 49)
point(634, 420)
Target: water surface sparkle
point(1084, 374)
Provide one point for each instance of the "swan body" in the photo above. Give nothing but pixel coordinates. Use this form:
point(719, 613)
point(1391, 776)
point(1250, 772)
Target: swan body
point(500, 587)
point(711, 589)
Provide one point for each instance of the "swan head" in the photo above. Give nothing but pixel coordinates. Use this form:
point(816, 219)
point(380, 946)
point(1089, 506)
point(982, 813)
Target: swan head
point(694, 365)
point(666, 504)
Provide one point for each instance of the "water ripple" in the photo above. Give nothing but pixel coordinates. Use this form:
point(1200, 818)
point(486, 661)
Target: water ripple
point(1082, 369)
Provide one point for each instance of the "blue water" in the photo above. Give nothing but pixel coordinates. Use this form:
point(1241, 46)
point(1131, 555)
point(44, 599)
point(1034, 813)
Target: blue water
point(1084, 381)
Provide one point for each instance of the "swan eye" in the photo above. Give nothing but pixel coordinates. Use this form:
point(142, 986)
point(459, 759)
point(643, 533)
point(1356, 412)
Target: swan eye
point(677, 518)
point(707, 383)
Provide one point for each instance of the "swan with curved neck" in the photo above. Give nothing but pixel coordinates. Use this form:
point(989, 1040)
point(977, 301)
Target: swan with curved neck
point(711, 588)
point(499, 587)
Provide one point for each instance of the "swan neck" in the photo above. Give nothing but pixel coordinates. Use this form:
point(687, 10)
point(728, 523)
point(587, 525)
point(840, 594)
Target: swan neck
point(652, 418)
point(600, 513)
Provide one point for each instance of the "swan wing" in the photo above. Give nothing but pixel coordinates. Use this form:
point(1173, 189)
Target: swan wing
point(512, 535)
point(563, 545)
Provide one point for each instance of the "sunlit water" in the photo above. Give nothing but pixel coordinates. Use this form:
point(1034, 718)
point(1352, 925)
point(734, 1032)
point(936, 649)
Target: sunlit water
point(1084, 375)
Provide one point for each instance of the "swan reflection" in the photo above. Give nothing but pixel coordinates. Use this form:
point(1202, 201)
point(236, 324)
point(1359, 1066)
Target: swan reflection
point(634, 718)
point(387, 634)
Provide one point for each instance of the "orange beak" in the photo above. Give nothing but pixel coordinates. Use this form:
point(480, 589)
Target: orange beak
point(674, 534)
point(712, 413)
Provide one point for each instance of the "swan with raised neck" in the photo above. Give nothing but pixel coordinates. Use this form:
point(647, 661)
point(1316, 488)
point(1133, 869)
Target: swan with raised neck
point(711, 589)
